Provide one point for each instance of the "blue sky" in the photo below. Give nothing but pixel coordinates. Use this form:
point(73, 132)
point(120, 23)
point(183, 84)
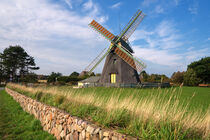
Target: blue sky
point(172, 35)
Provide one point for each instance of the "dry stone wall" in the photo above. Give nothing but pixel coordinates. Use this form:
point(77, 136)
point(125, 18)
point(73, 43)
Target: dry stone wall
point(61, 124)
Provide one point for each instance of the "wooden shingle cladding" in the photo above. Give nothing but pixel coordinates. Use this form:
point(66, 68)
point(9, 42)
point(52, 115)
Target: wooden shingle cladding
point(125, 74)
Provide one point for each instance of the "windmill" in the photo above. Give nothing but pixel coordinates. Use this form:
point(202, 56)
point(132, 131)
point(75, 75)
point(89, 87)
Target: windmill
point(120, 65)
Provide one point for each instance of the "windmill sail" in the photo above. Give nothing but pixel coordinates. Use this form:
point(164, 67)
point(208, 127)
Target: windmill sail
point(140, 65)
point(132, 25)
point(134, 62)
point(125, 57)
point(97, 60)
point(103, 31)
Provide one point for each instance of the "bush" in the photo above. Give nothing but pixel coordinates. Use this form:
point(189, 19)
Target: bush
point(190, 78)
point(62, 80)
point(178, 77)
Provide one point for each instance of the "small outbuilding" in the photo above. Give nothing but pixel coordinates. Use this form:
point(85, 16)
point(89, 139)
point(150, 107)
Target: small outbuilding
point(89, 82)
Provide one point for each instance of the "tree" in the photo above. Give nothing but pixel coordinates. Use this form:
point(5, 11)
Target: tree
point(190, 78)
point(16, 62)
point(177, 77)
point(29, 78)
point(201, 69)
point(144, 76)
point(53, 77)
point(1, 70)
point(164, 78)
point(74, 74)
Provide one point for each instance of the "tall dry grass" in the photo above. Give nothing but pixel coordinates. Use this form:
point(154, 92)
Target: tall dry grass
point(159, 107)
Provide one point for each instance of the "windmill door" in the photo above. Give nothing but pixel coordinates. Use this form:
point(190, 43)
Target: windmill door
point(113, 78)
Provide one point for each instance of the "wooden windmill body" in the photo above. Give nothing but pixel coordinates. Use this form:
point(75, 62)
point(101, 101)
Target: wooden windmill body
point(120, 66)
point(116, 70)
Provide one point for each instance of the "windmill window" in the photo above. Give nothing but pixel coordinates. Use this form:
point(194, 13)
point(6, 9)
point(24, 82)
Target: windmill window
point(114, 61)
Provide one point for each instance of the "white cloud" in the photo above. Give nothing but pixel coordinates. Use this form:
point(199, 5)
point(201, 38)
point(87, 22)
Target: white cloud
point(193, 55)
point(68, 2)
point(154, 8)
point(209, 38)
point(193, 9)
point(159, 47)
point(162, 57)
point(148, 2)
point(88, 5)
point(159, 9)
point(158, 44)
point(59, 39)
point(165, 28)
point(92, 10)
point(116, 5)
point(164, 36)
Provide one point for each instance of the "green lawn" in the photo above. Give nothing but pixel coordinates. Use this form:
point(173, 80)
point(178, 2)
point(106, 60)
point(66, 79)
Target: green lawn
point(15, 124)
point(201, 98)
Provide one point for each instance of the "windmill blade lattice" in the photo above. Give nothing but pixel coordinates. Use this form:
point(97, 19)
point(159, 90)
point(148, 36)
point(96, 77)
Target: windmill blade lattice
point(97, 60)
point(132, 25)
point(140, 65)
point(103, 31)
point(125, 57)
point(134, 62)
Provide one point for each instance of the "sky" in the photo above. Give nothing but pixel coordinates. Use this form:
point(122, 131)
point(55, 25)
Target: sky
point(173, 34)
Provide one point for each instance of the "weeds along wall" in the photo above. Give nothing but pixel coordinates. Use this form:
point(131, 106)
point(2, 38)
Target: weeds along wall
point(61, 124)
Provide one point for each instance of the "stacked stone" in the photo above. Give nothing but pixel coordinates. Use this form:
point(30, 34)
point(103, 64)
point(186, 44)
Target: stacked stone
point(61, 124)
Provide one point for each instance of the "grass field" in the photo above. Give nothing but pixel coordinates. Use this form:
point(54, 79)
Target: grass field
point(171, 113)
point(15, 124)
point(196, 97)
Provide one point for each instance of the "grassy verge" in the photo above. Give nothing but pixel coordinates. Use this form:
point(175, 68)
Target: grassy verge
point(144, 113)
point(15, 124)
